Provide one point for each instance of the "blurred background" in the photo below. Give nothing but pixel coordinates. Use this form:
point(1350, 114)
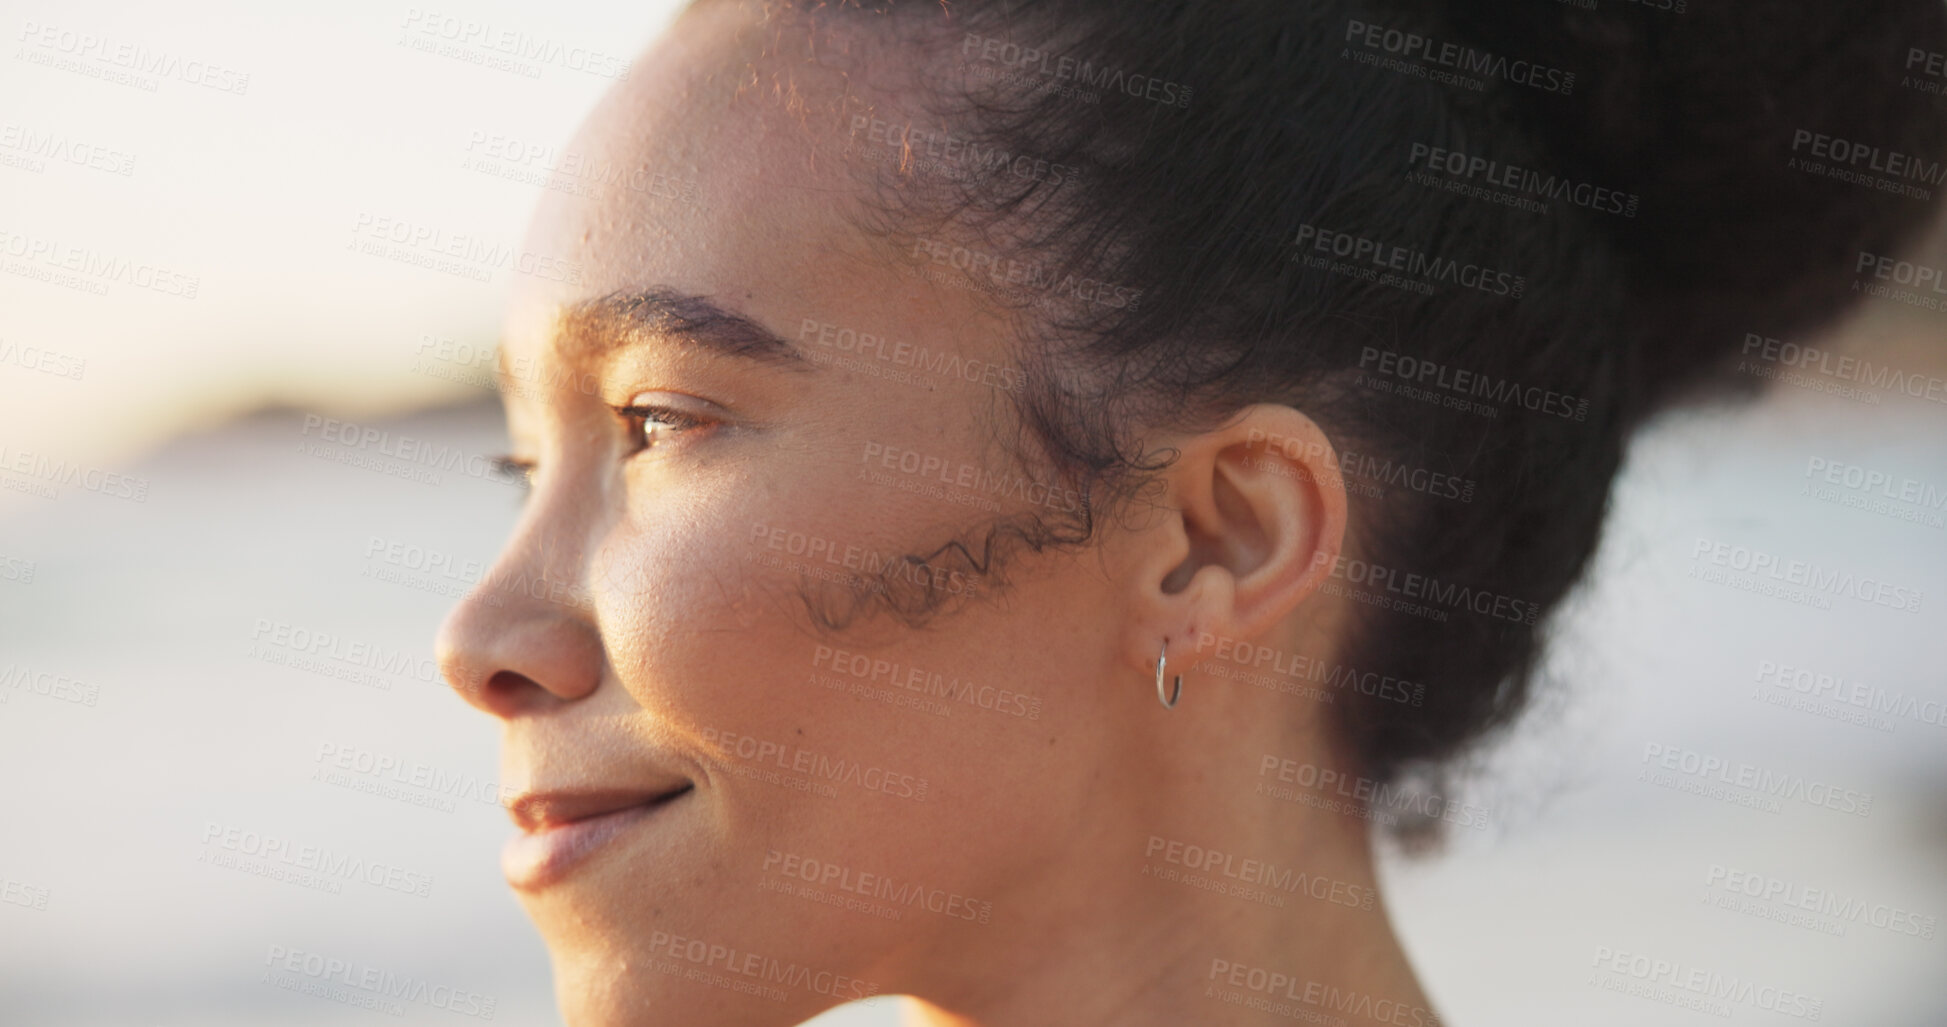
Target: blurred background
point(194, 267)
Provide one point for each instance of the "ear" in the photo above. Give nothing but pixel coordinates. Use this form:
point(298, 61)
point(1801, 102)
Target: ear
point(1253, 522)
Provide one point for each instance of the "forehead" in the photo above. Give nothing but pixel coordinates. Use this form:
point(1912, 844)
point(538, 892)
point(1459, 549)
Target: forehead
point(716, 170)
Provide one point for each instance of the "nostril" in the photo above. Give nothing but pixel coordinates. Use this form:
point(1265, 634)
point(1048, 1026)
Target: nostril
point(507, 693)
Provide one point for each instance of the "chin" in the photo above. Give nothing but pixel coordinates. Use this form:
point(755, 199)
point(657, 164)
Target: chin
point(603, 983)
point(633, 946)
point(607, 989)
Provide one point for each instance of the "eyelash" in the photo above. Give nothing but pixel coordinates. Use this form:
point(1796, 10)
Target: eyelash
point(635, 417)
point(515, 467)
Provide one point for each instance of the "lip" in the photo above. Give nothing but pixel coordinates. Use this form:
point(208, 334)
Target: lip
point(562, 830)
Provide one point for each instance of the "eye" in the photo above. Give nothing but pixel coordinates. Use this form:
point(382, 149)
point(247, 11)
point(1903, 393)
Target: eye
point(515, 469)
point(650, 424)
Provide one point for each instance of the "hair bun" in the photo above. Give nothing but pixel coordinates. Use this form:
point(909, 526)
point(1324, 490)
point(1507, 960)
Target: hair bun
point(1770, 143)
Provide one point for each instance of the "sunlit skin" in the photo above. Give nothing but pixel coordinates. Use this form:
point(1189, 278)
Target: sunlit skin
point(676, 622)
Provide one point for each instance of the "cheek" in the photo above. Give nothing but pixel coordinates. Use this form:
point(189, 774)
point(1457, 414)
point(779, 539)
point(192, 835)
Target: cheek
point(940, 743)
point(703, 622)
point(684, 614)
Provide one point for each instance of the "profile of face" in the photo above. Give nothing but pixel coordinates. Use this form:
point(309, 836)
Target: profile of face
point(791, 723)
point(875, 625)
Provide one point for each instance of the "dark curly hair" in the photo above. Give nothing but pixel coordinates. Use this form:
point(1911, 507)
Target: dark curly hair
point(1486, 239)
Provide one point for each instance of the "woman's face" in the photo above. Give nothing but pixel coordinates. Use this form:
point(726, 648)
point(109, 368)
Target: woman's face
point(854, 799)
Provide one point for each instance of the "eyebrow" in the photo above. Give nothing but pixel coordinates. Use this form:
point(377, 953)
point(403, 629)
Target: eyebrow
point(594, 326)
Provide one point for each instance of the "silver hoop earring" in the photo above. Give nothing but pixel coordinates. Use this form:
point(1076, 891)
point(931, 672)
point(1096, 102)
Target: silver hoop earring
point(1177, 691)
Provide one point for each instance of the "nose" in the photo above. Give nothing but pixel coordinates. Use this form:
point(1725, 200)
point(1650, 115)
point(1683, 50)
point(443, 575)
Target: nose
point(524, 639)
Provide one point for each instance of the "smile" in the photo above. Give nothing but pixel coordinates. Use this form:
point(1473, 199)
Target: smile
point(561, 831)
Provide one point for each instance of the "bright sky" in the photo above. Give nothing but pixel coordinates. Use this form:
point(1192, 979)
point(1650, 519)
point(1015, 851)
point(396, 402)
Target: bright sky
point(255, 146)
point(248, 154)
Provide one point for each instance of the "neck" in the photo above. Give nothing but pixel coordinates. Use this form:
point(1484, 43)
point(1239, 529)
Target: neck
point(1212, 903)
